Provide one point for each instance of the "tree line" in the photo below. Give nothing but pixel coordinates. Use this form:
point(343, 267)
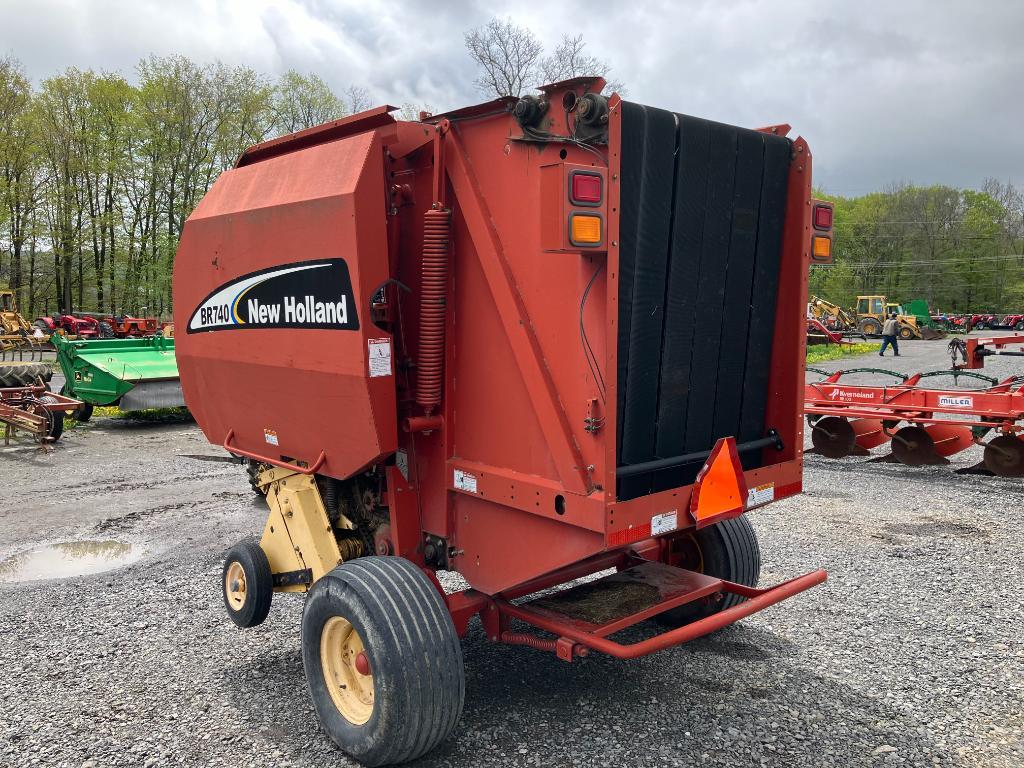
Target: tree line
point(98, 173)
point(960, 249)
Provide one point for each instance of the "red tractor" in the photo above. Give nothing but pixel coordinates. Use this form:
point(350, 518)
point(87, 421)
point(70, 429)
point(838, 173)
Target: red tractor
point(1016, 322)
point(983, 322)
point(126, 326)
point(84, 326)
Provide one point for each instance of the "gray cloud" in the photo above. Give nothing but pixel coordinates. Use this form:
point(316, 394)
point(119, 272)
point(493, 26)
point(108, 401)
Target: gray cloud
point(913, 90)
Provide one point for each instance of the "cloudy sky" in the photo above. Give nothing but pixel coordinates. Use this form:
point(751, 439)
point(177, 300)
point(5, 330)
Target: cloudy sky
point(928, 92)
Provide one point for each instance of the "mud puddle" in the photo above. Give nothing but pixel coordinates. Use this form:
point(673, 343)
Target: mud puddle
point(69, 558)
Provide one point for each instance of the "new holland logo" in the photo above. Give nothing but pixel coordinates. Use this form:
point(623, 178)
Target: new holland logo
point(306, 294)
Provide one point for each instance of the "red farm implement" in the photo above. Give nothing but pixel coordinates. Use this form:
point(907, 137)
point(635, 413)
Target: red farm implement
point(27, 404)
point(464, 344)
point(924, 425)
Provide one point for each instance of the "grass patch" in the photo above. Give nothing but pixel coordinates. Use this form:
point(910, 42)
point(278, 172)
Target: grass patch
point(153, 416)
point(819, 353)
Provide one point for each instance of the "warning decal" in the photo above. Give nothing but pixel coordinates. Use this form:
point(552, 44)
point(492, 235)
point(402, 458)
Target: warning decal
point(760, 494)
point(379, 357)
point(465, 481)
point(664, 523)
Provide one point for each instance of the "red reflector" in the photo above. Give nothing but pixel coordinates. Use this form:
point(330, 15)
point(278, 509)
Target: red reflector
point(585, 188)
point(822, 217)
point(629, 535)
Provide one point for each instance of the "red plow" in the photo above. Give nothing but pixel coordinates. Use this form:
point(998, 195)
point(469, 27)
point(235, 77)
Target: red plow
point(923, 425)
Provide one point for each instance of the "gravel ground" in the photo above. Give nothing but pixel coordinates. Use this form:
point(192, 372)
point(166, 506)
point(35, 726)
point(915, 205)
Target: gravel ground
point(912, 653)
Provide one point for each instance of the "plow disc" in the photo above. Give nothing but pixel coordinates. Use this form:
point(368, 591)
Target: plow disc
point(870, 434)
point(833, 437)
point(1004, 456)
point(922, 446)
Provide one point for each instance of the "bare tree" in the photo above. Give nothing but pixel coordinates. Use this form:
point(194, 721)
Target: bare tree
point(357, 99)
point(508, 56)
point(412, 111)
point(569, 60)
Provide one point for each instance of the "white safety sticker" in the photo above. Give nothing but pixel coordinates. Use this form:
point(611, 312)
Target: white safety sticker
point(402, 462)
point(465, 481)
point(270, 436)
point(956, 401)
point(665, 522)
point(760, 494)
point(379, 356)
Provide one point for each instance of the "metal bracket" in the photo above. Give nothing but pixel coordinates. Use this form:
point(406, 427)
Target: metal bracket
point(293, 578)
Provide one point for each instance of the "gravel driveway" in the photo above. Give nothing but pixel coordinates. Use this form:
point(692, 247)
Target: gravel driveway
point(912, 653)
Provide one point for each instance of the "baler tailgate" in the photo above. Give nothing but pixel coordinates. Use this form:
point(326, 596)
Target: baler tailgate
point(589, 613)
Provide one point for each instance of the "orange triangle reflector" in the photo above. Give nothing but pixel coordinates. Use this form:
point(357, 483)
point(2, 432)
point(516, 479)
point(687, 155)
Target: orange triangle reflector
point(720, 490)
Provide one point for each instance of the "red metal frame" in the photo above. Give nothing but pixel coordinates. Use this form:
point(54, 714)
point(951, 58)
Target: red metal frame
point(999, 407)
point(310, 470)
point(679, 587)
point(14, 402)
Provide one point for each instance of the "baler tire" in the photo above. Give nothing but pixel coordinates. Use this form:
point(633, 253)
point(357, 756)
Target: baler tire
point(258, 586)
point(393, 614)
point(24, 374)
point(729, 550)
point(82, 413)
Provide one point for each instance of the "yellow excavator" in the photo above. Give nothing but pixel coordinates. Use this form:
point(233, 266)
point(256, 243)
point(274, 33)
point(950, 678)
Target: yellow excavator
point(15, 330)
point(832, 316)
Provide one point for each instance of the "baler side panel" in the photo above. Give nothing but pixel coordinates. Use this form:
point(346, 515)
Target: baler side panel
point(308, 389)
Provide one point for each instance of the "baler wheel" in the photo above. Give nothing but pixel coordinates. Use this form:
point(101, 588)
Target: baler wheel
point(382, 660)
point(248, 584)
point(727, 550)
point(1004, 456)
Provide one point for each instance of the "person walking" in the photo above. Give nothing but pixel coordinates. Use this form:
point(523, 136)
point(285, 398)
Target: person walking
point(890, 331)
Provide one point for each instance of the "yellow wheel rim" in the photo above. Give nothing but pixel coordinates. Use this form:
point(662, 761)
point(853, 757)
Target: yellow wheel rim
point(350, 689)
point(234, 585)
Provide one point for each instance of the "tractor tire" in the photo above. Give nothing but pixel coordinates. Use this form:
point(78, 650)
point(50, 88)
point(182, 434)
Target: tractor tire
point(979, 326)
point(906, 333)
point(106, 331)
point(726, 550)
point(42, 326)
point(24, 374)
point(869, 327)
point(247, 583)
point(382, 659)
point(1019, 326)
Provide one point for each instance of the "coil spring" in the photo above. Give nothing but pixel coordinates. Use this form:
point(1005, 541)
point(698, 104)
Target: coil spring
point(433, 286)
